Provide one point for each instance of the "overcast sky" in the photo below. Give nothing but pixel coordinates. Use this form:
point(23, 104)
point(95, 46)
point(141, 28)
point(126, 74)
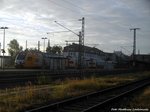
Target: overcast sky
point(107, 22)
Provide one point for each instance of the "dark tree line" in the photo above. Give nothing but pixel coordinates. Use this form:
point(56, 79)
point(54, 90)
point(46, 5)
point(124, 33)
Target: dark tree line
point(54, 50)
point(15, 48)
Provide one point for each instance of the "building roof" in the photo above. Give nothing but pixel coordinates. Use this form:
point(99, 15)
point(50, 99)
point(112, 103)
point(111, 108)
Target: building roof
point(75, 48)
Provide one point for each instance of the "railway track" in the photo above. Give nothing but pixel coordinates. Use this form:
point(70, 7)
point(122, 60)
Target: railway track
point(18, 72)
point(96, 101)
point(13, 77)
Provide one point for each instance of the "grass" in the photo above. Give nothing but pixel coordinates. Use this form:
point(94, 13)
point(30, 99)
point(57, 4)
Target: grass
point(43, 80)
point(142, 101)
point(19, 98)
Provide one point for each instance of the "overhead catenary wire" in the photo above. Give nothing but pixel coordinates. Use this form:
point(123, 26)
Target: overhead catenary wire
point(66, 28)
point(74, 5)
point(62, 6)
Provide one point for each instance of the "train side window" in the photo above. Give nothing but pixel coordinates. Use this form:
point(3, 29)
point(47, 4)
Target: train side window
point(29, 58)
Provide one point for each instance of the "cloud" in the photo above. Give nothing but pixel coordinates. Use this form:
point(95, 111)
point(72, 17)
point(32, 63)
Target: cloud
point(107, 22)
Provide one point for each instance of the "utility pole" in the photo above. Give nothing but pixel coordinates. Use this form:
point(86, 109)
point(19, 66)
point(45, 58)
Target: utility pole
point(48, 44)
point(134, 41)
point(0, 55)
point(3, 51)
point(38, 45)
point(81, 42)
point(0, 49)
point(82, 30)
point(81, 47)
point(44, 43)
point(26, 44)
point(49, 40)
point(134, 44)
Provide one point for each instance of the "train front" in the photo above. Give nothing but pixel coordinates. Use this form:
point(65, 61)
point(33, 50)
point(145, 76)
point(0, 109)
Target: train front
point(20, 60)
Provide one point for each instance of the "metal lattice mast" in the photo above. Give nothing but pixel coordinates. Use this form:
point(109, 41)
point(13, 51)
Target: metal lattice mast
point(81, 44)
point(82, 32)
point(80, 55)
point(134, 41)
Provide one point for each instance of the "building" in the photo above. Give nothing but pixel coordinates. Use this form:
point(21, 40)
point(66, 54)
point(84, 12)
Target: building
point(92, 57)
point(7, 61)
point(142, 61)
point(143, 57)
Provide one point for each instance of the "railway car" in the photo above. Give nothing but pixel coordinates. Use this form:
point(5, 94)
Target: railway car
point(29, 59)
point(71, 63)
point(36, 59)
point(91, 63)
point(54, 62)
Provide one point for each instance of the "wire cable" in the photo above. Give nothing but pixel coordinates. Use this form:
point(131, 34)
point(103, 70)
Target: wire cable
point(74, 5)
point(62, 6)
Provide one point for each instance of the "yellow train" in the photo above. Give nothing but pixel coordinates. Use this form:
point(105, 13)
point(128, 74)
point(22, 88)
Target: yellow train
point(29, 59)
point(36, 59)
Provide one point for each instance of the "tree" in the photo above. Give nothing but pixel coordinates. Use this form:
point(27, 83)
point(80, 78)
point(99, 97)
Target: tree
point(54, 49)
point(49, 49)
point(14, 48)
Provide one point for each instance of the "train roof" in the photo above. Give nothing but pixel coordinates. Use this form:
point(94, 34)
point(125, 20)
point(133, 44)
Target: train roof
point(53, 55)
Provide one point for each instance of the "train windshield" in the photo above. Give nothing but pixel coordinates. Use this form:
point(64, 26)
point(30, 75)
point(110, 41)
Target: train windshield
point(21, 56)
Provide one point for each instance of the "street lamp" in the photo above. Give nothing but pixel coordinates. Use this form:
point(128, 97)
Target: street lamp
point(44, 43)
point(3, 51)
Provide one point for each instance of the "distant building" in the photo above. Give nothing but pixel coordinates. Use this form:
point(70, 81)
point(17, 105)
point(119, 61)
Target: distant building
point(143, 57)
point(91, 55)
point(7, 61)
point(142, 61)
point(119, 59)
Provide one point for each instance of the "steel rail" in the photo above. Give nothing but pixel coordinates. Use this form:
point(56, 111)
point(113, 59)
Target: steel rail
point(107, 102)
point(92, 101)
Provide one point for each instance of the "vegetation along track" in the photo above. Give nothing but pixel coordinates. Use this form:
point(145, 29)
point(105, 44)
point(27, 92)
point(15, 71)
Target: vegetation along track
point(12, 78)
point(96, 101)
